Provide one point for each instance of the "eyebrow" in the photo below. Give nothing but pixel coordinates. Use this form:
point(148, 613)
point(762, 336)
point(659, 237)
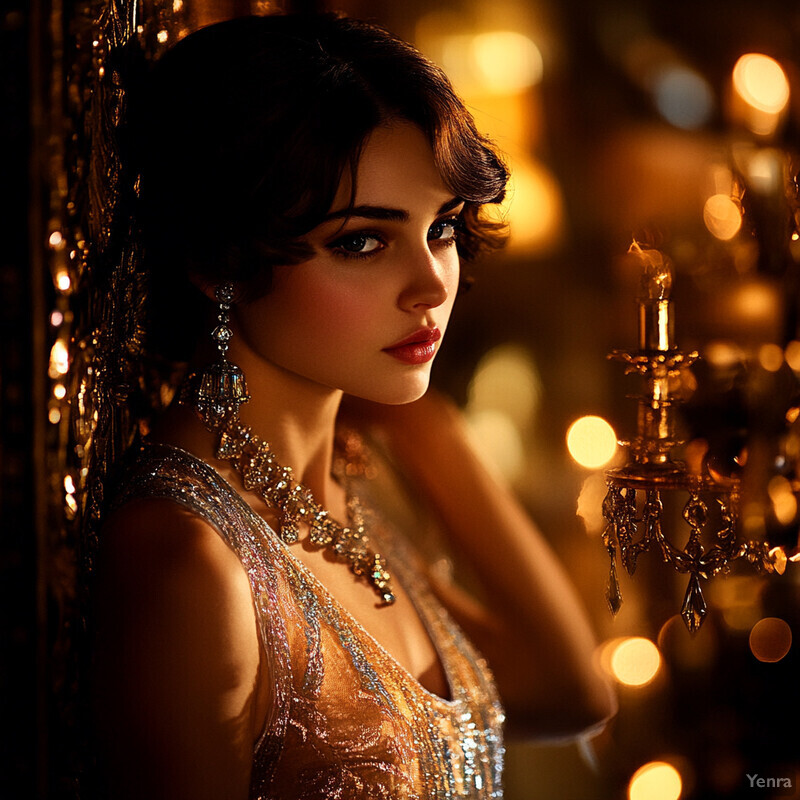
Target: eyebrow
point(386, 214)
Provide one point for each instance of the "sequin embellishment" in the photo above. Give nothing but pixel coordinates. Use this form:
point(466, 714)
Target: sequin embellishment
point(349, 721)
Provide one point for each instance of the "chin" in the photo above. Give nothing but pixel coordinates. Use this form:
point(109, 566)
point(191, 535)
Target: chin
point(407, 392)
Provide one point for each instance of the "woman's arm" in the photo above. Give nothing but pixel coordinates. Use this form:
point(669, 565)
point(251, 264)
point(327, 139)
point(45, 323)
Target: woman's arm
point(531, 627)
point(177, 659)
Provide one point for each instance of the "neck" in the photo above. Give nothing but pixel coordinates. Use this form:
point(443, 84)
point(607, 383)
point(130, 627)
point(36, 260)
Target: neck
point(299, 426)
point(296, 416)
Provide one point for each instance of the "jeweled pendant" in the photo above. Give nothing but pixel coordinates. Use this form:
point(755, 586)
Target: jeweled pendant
point(217, 393)
point(381, 577)
point(694, 608)
point(613, 593)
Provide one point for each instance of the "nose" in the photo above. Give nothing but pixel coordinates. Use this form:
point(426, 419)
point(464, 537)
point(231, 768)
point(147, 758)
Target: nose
point(431, 279)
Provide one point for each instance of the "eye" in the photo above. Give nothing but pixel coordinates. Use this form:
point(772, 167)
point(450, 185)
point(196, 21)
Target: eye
point(357, 245)
point(445, 230)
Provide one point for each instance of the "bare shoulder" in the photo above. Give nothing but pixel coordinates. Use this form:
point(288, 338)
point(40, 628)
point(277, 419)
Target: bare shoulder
point(177, 653)
point(165, 573)
point(155, 538)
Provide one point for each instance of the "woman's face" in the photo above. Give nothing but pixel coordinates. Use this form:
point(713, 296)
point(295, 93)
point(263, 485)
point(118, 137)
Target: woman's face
point(365, 314)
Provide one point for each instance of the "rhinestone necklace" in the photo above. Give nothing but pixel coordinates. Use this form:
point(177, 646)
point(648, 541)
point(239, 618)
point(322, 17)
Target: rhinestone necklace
point(253, 458)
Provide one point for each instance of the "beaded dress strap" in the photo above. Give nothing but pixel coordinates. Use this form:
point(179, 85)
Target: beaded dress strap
point(162, 471)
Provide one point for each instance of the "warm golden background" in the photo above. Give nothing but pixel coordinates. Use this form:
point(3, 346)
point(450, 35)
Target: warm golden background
point(621, 119)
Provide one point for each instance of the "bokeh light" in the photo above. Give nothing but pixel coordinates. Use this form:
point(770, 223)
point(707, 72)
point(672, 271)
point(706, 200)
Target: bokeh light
point(591, 441)
point(765, 170)
point(63, 281)
point(59, 359)
point(499, 62)
point(784, 502)
point(755, 302)
point(770, 356)
point(71, 505)
point(502, 401)
point(590, 503)
point(633, 660)
point(770, 639)
point(761, 82)
point(761, 93)
point(723, 354)
point(507, 61)
point(656, 780)
point(533, 208)
point(722, 216)
point(683, 97)
point(792, 355)
point(506, 379)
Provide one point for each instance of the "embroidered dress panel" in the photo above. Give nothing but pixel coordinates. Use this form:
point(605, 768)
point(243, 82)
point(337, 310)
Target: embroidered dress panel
point(348, 720)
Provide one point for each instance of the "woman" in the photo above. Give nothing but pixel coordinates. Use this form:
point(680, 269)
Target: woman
point(312, 182)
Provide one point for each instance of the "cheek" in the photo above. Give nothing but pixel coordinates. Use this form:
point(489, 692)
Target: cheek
point(324, 306)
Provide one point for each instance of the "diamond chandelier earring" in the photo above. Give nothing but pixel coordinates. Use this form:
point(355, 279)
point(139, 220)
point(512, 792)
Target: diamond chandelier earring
point(217, 392)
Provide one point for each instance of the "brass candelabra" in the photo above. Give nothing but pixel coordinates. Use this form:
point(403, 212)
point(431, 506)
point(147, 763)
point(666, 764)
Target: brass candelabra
point(634, 504)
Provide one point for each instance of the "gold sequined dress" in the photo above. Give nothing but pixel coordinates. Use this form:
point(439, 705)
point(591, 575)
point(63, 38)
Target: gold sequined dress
point(348, 721)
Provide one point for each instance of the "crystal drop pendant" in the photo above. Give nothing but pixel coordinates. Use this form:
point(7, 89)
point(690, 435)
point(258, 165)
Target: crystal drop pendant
point(694, 608)
point(613, 593)
point(217, 393)
point(222, 334)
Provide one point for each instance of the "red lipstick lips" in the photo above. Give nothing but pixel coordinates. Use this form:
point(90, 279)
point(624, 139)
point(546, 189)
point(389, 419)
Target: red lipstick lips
point(417, 348)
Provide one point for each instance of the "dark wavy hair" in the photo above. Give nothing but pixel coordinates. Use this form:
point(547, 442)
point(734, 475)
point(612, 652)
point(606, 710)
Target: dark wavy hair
point(242, 132)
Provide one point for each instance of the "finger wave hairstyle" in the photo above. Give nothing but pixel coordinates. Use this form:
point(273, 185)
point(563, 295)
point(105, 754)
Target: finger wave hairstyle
point(241, 134)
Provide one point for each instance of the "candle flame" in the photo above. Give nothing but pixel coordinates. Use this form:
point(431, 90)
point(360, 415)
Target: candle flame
point(656, 280)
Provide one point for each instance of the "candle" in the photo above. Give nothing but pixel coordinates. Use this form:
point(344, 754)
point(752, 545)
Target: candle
point(656, 326)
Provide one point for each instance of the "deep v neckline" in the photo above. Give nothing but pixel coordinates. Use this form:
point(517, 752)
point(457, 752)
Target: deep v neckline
point(339, 609)
point(351, 622)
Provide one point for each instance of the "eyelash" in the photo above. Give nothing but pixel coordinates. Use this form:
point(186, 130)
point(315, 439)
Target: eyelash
point(338, 247)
